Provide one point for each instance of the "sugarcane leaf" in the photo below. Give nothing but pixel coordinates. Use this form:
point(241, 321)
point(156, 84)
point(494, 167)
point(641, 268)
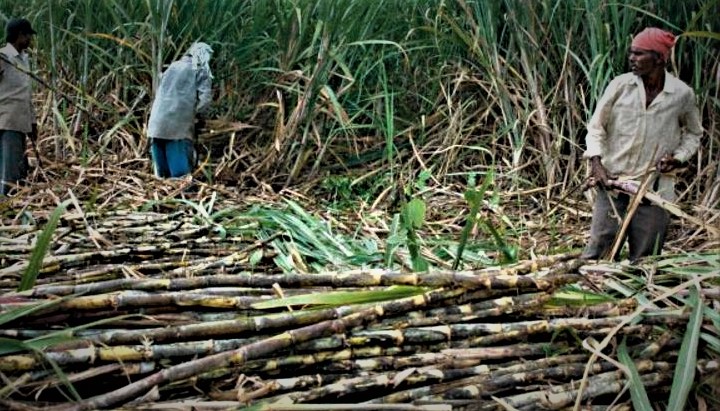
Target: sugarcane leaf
point(255, 257)
point(61, 376)
point(509, 253)
point(340, 114)
point(639, 396)
point(474, 199)
point(20, 312)
point(43, 243)
point(684, 375)
point(312, 239)
point(714, 317)
point(202, 214)
point(40, 343)
point(304, 229)
point(628, 291)
point(704, 34)
point(11, 346)
point(709, 313)
point(339, 298)
point(712, 259)
point(415, 212)
point(577, 297)
point(395, 238)
point(205, 216)
point(712, 341)
point(419, 264)
point(691, 270)
point(8, 346)
point(68, 334)
point(225, 212)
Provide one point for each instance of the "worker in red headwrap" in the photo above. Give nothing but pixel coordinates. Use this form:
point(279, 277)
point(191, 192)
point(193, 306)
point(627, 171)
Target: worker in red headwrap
point(645, 125)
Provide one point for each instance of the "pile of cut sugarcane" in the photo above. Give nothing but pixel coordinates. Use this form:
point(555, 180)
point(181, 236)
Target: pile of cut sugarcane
point(162, 310)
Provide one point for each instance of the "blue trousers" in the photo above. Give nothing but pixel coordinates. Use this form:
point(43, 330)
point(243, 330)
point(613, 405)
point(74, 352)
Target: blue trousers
point(171, 158)
point(13, 163)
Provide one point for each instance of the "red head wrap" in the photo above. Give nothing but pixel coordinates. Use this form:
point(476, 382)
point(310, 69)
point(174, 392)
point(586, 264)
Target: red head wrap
point(655, 39)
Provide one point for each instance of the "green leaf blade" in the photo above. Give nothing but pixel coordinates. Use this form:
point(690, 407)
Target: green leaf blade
point(640, 399)
point(43, 244)
point(684, 375)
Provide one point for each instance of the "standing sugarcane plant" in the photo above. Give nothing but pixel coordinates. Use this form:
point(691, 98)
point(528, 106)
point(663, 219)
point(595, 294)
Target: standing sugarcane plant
point(412, 218)
point(474, 199)
point(405, 224)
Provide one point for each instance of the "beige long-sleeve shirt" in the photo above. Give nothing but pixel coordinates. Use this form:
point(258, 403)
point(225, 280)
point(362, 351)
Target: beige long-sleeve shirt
point(630, 138)
point(16, 109)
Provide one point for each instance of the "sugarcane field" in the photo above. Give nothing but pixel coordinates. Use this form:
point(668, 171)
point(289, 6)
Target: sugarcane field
point(411, 205)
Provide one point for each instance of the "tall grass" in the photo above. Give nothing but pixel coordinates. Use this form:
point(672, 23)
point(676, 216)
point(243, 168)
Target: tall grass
point(507, 82)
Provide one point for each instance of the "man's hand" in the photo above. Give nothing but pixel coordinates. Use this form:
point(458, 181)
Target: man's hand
point(598, 173)
point(667, 163)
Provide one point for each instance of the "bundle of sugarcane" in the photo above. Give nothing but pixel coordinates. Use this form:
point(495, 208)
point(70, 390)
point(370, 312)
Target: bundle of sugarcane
point(191, 308)
point(142, 243)
point(379, 339)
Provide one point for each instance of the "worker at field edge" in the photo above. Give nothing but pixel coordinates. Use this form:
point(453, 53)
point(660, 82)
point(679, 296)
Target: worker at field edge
point(645, 120)
point(184, 93)
point(17, 115)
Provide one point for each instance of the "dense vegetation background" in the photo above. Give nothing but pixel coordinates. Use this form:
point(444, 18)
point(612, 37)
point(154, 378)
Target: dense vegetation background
point(360, 140)
point(336, 88)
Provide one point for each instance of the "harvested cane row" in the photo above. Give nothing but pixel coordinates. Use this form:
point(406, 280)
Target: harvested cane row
point(123, 244)
point(186, 324)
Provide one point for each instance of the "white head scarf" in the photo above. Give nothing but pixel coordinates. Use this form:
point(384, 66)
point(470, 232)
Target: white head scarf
point(200, 53)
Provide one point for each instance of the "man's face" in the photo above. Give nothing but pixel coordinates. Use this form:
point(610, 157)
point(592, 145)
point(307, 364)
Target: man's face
point(24, 41)
point(642, 62)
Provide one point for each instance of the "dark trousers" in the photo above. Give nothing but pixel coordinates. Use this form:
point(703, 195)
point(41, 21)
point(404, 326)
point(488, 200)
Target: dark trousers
point(13, 163)
point(645, 233)
point(172, 158)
